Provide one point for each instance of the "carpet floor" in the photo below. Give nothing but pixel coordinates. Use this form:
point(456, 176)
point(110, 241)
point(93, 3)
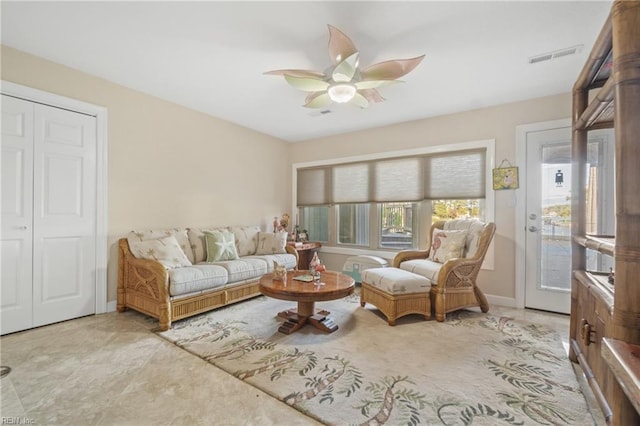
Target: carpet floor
point(474, 368)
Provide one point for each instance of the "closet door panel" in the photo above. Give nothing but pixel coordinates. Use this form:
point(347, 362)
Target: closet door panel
point(17, 215)
point(64, 215)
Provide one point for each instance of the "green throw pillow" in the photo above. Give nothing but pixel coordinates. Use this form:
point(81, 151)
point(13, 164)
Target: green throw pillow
point(220, 246)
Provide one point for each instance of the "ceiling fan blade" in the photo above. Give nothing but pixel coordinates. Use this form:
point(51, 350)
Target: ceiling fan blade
point(346, 69)
point(307, 84)
point(298, 73)
point(390, 70)
point(359, 100)
point(372, 84)
point(372, 95)
point(318, 100)
point(340, 46)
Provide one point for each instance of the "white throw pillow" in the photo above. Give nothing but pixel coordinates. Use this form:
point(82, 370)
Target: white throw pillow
point(447, 245)
point(272, 243)
point(165, 250)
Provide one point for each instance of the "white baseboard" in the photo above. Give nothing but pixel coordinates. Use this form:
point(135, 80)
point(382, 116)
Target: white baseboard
point(508, 302)
point(111, 306)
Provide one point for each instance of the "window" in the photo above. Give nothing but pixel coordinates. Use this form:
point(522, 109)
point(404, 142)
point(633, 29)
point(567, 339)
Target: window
point(381, 204)
point(315, 220)
point(397, 225)
point(353, 224)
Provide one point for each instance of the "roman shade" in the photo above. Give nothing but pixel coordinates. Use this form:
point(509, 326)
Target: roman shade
point(457, 175)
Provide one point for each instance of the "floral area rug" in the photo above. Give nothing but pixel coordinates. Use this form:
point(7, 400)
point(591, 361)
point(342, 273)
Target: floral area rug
point(472, 369)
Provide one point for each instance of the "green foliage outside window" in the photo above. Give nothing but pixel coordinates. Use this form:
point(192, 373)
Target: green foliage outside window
point(455, 209)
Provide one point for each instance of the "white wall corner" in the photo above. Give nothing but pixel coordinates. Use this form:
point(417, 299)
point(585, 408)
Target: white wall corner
point(508, 302)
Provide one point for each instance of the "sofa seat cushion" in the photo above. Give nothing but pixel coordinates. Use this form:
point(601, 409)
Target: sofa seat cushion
point(189, 279)
point(396, 281)
point(424, 267)
point(243, 269)
point(287, 260)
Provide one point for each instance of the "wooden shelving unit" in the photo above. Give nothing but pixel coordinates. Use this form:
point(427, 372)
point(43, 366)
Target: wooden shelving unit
point(605, 317)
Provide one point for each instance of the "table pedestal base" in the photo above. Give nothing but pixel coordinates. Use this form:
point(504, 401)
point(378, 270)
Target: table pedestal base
point(305, 314)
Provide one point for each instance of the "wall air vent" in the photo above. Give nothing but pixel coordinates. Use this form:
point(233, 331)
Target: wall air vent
point(556, 54)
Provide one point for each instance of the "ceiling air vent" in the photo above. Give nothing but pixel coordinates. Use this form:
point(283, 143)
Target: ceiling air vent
point(555, 55)
point(318, 113)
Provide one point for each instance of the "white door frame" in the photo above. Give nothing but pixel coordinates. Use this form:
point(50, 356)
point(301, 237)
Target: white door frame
point(39, 96)
point(521, 192)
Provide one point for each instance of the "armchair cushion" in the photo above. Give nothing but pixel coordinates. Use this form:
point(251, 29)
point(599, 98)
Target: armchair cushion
point(447, 244)
point(424, 267)
point(474, 229)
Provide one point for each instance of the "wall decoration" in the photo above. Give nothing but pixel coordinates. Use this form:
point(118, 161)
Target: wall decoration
point(505, 177)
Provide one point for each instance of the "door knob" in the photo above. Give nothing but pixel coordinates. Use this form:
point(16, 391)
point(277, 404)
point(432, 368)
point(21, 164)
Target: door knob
point(533, 229)
point(23, 227)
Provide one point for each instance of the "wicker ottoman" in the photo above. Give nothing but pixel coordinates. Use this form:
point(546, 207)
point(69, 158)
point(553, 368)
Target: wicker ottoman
point(396, 292)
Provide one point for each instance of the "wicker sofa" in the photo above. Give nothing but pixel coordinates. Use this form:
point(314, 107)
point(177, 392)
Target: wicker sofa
point(170, 293)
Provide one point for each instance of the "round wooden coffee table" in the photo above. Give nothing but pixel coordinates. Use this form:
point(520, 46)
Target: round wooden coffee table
point(335, 285)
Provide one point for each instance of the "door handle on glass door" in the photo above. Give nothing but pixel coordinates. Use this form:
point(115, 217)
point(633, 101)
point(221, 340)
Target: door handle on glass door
point(533, 229)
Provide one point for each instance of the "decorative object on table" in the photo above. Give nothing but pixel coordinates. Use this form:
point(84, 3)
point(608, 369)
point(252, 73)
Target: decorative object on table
point(345, 81)
point(505, 177)
point(303, 236)
point(279, 272)
point(304, 278)
point(315, 267)
point(276, 224)
point(284, 223)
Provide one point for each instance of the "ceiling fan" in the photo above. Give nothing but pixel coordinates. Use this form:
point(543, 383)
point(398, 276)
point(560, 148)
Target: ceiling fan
point(344, 81)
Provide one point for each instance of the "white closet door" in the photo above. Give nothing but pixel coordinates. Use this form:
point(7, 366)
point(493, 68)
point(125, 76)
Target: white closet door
point(17, 226)
point(64, 207)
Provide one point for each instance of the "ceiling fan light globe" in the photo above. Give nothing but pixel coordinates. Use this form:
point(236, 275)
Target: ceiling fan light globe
point(341, 93)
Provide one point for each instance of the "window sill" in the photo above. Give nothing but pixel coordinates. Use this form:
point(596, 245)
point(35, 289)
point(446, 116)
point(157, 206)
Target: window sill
point(349, 251)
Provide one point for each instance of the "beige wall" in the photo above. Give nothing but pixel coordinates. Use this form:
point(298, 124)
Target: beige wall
point(497, 123)
point(169, 166)
point(172, 166)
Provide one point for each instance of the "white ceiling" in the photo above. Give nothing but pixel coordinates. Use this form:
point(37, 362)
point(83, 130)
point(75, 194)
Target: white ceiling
point(210, 56)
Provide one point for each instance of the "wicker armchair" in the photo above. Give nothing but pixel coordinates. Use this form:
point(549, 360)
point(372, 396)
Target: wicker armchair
point(453, 283)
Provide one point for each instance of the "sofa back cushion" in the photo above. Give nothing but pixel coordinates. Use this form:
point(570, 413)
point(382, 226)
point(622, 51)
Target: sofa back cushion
point(246, 239)
point(198, 245)
point(154, 234)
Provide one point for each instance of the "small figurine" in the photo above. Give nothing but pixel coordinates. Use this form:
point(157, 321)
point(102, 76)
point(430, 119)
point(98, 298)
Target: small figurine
point(279, 271)
point(284, 223)
point(275, 224)
point(315, 267)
